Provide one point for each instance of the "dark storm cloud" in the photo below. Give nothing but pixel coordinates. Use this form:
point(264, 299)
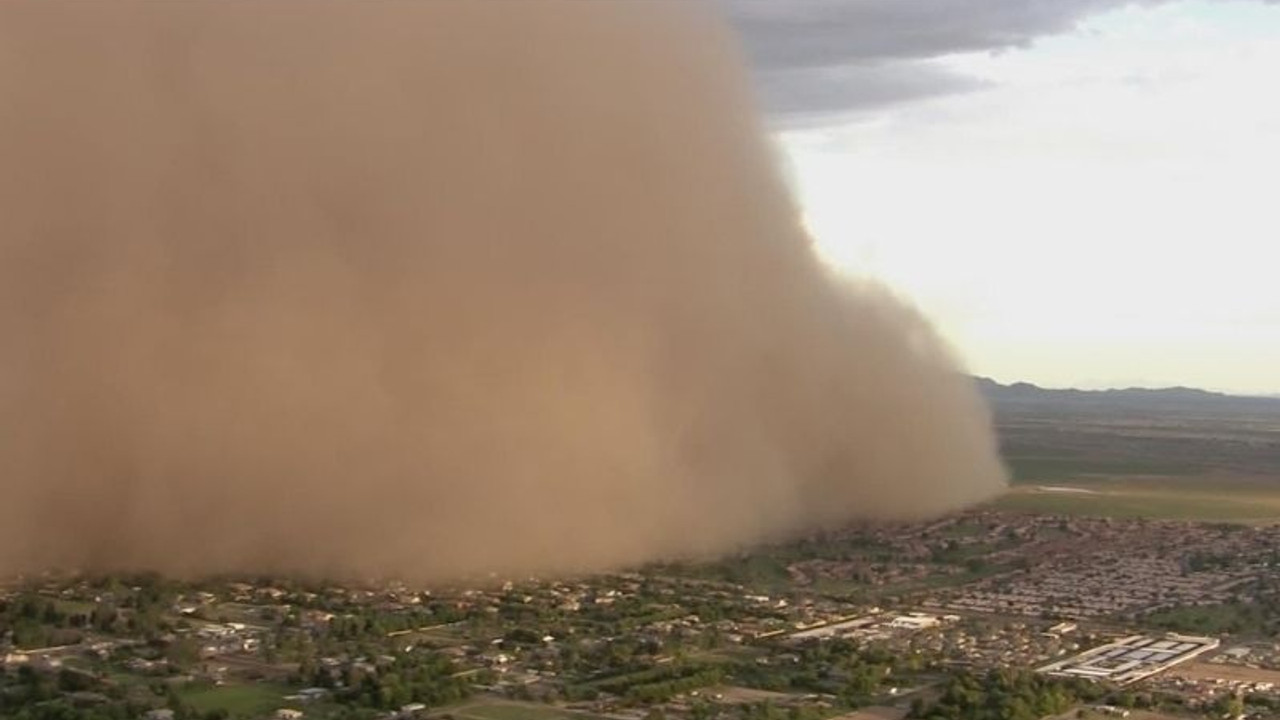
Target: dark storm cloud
point(828, 56)
point(819, 92)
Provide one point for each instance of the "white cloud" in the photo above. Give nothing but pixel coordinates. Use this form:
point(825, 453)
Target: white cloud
point(1105, 210)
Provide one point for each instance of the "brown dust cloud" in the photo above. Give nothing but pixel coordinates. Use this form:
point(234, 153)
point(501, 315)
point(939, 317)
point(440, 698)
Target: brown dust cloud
point(426, 290)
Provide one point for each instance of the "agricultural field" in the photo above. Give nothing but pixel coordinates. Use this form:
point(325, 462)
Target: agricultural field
point(1207, 500)
point(1171, 454)
point(1025, 469)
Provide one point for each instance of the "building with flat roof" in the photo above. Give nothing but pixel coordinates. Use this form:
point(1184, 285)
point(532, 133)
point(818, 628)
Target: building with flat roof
point(1133, 658)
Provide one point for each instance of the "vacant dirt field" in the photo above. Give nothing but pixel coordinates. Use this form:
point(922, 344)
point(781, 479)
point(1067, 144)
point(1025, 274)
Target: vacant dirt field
point(734, 694)
point(1230, 673)
point(875, 713)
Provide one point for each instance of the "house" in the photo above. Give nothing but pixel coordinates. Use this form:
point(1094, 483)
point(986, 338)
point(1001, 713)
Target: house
point(914, 621)
point(1062, 628)
point(311, 694)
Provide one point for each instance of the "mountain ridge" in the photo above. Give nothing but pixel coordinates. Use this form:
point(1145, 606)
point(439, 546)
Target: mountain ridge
point(1167, 397)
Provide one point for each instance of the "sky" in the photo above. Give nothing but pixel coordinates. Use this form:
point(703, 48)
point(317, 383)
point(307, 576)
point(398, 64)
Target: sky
point(1078, 193)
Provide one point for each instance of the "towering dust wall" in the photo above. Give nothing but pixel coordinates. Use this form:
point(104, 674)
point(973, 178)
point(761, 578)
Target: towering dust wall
point(426, 289)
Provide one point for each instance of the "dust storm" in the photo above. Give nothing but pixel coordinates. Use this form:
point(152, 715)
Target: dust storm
point(429, 289)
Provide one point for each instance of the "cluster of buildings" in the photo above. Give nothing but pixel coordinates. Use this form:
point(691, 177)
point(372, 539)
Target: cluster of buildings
point(977, 590)
point(1107, 583)
point(1125, 569)
point(876, 625)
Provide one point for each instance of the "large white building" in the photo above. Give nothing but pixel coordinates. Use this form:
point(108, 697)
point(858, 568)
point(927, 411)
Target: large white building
point(1132, 658)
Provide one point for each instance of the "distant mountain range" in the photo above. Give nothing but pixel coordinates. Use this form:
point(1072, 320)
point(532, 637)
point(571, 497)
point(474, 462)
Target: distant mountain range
point(1171, 398)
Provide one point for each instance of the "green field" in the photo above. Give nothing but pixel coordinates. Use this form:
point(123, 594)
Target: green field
point(1203, 499)
point(248, 699)
point(72, 607)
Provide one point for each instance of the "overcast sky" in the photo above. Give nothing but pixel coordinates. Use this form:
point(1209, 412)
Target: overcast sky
point(1079, 192)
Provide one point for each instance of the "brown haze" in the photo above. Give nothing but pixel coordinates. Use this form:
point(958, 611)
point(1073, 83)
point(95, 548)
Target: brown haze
point(427, 289)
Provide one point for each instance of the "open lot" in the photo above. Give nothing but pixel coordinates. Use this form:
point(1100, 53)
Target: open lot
point(734, 694)
point(247, 699)
point(1226, 673)
point(493, 709)
point(875, 713)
